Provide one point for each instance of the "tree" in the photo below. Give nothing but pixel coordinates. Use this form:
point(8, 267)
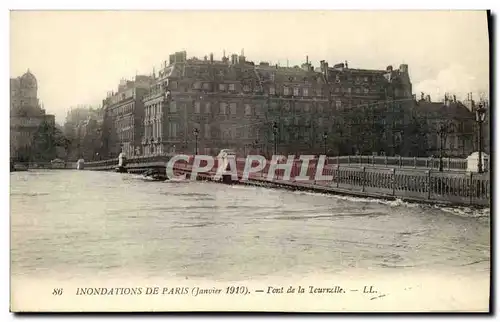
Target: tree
point(45, 140)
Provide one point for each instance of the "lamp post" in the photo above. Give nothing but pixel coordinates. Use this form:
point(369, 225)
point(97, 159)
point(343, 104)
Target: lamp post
point(325, 136)
point(441, 135)
point(196, 132)
point(275, 134)
point(480, 115)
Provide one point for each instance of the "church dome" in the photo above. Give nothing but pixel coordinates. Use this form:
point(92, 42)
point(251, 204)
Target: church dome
point(28, 80)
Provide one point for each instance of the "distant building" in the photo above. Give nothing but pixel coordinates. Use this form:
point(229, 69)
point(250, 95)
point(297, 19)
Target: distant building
point(234, 103)
point(26, 115)
point(450, 124)
point(123, 115)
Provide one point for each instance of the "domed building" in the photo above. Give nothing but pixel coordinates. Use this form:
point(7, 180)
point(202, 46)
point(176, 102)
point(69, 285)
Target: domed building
point(26, 114)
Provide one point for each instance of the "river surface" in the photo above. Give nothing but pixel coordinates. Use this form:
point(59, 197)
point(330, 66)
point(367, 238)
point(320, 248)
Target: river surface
point(95, 224)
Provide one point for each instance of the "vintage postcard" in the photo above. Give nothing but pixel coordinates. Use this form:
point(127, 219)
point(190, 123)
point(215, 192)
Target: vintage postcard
point(260, 161)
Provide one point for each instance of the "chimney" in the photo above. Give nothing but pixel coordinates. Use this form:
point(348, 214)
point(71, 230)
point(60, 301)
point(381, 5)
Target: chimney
point(428, 98)
point(346, 65)
point(205, 58)
point(454, 98)
point(211, 57)
point(242, 57)
point(307, 59)
point(234, 59)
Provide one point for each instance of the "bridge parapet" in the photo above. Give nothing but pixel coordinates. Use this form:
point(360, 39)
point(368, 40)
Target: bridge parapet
point(449, 164)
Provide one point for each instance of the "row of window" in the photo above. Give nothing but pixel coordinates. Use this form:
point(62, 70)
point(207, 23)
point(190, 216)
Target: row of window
point(153, 130)
point(227, 131)
point(287, 91)
point(124, 123)
point(154, 110)
point(126, 135)
point(122, 110)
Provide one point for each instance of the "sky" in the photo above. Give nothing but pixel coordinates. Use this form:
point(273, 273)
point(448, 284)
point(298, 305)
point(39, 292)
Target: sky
point(78, 56)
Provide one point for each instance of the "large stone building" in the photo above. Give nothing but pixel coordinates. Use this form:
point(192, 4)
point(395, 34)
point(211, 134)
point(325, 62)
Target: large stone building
point(26, 115)
point(233, 103)
point(123, 115)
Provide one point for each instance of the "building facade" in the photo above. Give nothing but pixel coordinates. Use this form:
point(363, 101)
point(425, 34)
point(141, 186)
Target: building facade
point(233, 103)
point(450, 126)
point(26, 116)
point(123, 116)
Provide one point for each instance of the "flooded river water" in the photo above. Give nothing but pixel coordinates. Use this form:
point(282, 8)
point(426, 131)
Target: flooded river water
point(83, 224)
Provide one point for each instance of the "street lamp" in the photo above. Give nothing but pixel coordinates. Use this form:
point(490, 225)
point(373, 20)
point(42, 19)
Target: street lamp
point(325, 136)
point(275, 133)
point(480, 115)
point(196, 132)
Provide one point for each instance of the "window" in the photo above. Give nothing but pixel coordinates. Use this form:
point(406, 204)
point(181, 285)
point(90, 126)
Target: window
point(206, 85)
point(337, 89)
point(295, 91)
point(173, 107)
point(348, 90)
point(207, 131)
point(222, 87)
point(366, 90)
point(307, 108)
point(233, 107)
point(286, 91)
point(246, 88)
point(366, 78)
point(172, 129)
point(248, 109)
point(272, 91)
point(338, 104)
point(320, 108)
point(318, 92)
point(305, 92)
point(197, 107)
point(231, 87)
point(223, 107)
point(272, 77)
point(197, 85)
point(358, 90)
point(208, 109)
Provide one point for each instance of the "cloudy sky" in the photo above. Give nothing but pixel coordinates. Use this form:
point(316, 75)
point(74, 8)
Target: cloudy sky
point(78, 56)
